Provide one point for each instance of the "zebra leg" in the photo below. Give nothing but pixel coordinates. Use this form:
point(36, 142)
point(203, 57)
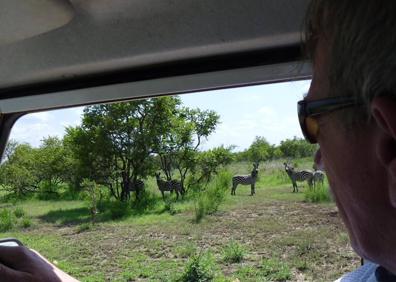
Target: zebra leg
point(163, 195)
point(177, 195)
point(252, 189)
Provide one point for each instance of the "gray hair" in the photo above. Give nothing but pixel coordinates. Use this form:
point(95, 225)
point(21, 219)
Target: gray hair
point(362, 36)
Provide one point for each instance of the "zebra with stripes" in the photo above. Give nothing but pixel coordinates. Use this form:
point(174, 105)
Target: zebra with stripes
point(246, 180)
point(318, 177)
point(135, 186)
point(168, 185)
point(298, 176)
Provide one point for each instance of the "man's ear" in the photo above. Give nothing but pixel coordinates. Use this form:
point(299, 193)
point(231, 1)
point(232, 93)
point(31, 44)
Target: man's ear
point(383, 110)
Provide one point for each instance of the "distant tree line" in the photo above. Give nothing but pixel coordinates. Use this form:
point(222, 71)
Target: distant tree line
point(260, 150)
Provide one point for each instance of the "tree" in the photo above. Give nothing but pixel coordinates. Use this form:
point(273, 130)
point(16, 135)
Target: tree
point(297, 148)
point(181, 141)
point(51, 164)
point(209, 163)
point(18, 171)
point(259, 150)
point(115, 142)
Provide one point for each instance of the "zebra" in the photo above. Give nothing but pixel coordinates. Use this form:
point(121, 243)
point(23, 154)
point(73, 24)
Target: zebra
point(318, 177)
point(135, 186)
point(304, 175)
point(168, 185)
point(246, 180)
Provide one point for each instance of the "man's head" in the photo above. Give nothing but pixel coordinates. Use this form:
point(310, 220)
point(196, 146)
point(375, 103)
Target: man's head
point(353, 47)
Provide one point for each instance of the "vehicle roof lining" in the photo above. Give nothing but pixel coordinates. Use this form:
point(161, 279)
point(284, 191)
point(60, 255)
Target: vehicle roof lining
point(128, 37)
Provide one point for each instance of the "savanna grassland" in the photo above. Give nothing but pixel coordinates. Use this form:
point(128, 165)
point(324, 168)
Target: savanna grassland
point(275, 235)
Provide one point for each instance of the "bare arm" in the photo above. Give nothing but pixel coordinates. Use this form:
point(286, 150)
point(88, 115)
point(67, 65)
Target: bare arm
point(22, 264)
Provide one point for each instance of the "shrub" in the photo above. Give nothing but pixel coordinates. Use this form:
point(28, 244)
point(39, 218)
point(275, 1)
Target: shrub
point(209, 200)
point(233, 252)
point(119, 210)
point(318, 194)
point(275, 270)
point(26, 222)
point(6, 220)
point(200, 268)
point(84, 227)
point(170, 207)
point(19, 212)
point(145, 201)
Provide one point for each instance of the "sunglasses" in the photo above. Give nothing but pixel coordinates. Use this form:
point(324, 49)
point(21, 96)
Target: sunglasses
point(308, 111)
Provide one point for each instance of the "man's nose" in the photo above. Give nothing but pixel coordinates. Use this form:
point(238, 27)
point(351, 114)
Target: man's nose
point(318, 160)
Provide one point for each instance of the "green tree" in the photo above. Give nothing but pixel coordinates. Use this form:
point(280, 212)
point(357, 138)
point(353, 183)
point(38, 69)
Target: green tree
point(51, 164)
point(210, 162)
point(115, 142)
point(297, 148)
point(259, 150)
point(18, 171)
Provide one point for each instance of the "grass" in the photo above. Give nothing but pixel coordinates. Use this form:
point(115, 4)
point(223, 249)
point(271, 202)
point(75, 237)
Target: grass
point(233, 252)
point(276, 234)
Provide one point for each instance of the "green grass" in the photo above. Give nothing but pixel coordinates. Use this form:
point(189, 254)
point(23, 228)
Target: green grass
point(279, 235)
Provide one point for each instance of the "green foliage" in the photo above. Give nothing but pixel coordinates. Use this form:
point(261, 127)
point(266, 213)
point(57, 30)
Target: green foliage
point(26, 222)
point(7, 220)
point(297, 148)
point(19, 212)
point(92, 194)
point(200, 268)
point(259, 150)
point(233, 252)
point(275, 270)
point(119, 210)
point(319, 194)
point(207, 201)
point(17, 172)
point(84, 227)
point(209, 163)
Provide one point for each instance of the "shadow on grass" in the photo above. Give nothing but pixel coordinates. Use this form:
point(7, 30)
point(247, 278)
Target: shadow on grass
point(67, 216)
point(108, 211)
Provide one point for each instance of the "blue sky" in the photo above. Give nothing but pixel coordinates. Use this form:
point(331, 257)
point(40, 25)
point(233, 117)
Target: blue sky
point(265, 110)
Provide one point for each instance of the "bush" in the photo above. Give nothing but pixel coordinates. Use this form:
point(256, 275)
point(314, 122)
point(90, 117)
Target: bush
point(6, 220)
point(209, 200)
point(119, 210)
point(145, 201)
point(233, 252)
point(26, 222)
point(19, 212)
point(200, 268)
point(319, 194)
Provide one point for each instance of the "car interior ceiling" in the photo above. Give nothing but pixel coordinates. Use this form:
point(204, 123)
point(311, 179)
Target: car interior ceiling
point(64, 53)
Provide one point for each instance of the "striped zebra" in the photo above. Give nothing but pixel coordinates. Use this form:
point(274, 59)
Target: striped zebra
point(298, 176)
point(246, 180)
point(318, 177)
point(168, 185)
point(135, 186)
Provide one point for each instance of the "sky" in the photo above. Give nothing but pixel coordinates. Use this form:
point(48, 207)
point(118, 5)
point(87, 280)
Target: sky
point(246, 112)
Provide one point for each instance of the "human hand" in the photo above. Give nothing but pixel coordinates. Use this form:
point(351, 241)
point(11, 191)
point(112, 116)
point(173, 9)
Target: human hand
point(22, 264)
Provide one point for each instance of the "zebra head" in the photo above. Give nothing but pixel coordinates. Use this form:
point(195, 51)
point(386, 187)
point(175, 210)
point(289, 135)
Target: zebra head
point(288, 168)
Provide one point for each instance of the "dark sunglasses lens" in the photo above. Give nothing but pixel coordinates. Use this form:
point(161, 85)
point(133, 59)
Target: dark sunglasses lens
point(311, 129)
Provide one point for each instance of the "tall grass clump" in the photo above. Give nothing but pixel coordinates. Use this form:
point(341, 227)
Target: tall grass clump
point(6, 220)
point(319, 194)
point(200, 268)
point(275, 270)
point(19, 212)
point(208, 200)
point(233, 252)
